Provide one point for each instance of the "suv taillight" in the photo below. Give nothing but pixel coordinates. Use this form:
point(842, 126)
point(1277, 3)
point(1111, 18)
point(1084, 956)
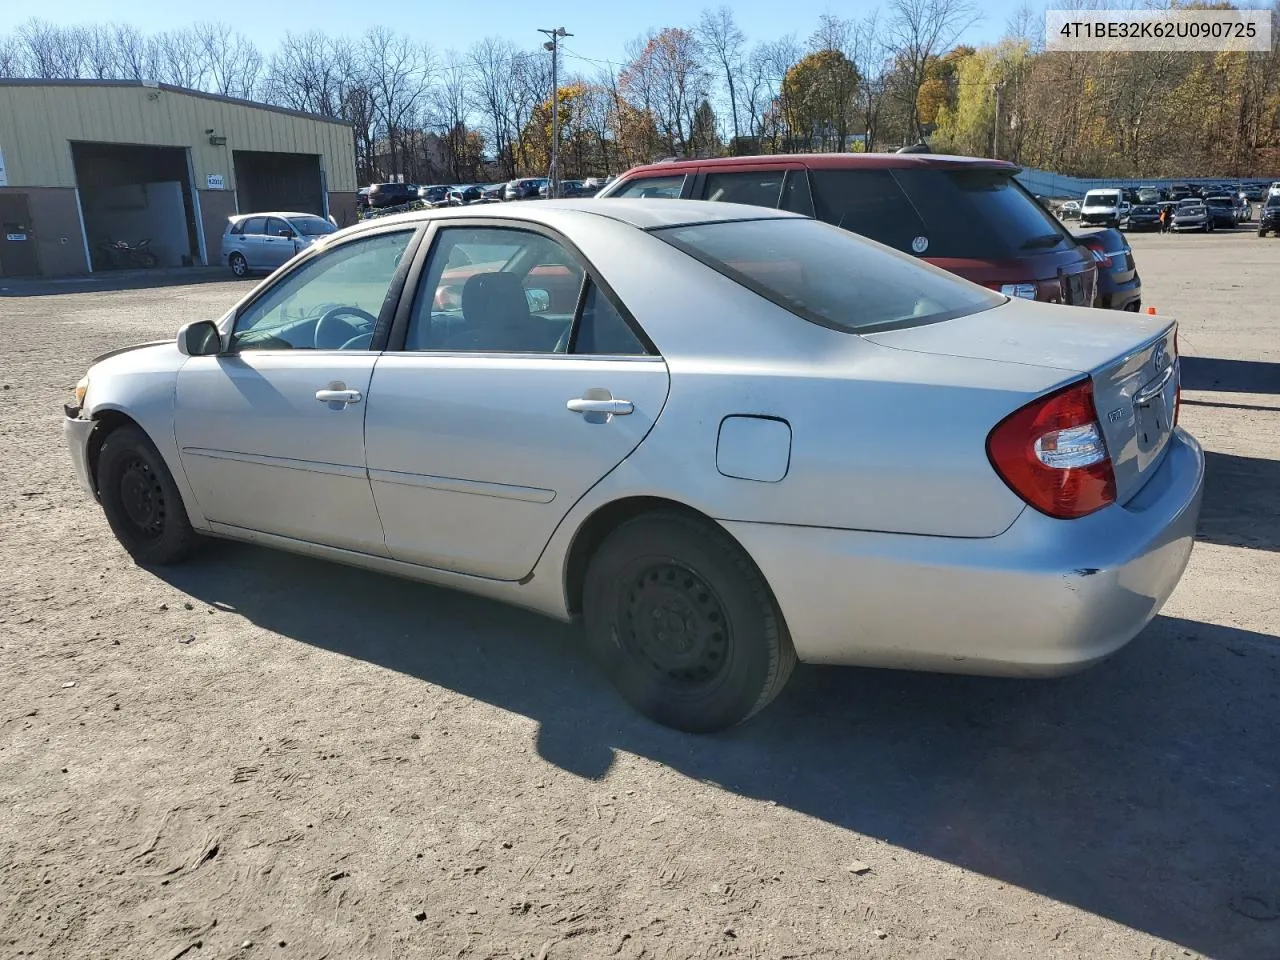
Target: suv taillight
point(1052, 454)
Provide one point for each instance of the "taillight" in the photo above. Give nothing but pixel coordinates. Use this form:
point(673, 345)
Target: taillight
point(1099, 254)
point(1177, 373)
point(1052, 454)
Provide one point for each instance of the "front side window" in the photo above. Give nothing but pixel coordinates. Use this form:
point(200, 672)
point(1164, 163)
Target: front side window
point(278, 228)
point(829, 276)
point(665, 188)
point(329, 303)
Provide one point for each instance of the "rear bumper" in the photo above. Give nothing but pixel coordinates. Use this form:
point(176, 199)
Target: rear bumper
point(1046, 597)
point(77, 432)
point(1122, 296)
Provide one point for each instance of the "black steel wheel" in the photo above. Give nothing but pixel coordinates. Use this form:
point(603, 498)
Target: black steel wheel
point(683, 623)
point(140, 499)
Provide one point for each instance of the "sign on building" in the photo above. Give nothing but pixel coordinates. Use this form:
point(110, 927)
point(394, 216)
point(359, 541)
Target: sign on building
point(216, 181)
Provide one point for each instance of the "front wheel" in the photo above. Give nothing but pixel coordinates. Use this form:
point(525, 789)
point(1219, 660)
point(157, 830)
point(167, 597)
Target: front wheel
point(141, 501)
point(239, 265)
point(684, 625)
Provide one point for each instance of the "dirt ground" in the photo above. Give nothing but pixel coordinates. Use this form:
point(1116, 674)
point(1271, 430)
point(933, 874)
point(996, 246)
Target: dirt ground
point(257, 755)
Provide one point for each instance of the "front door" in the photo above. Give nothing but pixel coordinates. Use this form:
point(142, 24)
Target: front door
point(278, 242)
point(519, 387)
point(271, 432)
point(17, 243)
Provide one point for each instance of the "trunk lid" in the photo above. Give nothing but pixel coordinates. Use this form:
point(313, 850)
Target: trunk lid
point(1129, 357)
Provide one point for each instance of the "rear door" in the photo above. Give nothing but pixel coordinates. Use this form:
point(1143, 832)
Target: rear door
point(251, 242)
point(504, 406)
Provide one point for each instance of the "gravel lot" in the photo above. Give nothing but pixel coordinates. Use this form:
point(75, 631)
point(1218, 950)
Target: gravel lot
point(344, 765)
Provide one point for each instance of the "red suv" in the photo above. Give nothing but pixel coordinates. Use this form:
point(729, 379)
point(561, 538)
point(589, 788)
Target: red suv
point(965, 215)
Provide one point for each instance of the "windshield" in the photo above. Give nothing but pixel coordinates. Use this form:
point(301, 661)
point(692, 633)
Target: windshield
point(1101, 199)
point(312, 226)
point(829, 276)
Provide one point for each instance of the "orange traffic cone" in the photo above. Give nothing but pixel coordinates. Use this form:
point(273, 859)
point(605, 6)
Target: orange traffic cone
point(1151, 311)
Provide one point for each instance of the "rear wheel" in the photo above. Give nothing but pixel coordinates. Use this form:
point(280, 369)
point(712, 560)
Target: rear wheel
point(684, 625)
point(141, 501)
point(239, 265)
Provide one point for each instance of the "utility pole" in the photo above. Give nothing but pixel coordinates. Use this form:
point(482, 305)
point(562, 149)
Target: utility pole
point(553, 177)
point(995, 135)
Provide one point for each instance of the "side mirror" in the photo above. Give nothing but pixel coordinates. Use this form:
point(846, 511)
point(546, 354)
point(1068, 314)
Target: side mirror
point(200, 338)
point(539, 300)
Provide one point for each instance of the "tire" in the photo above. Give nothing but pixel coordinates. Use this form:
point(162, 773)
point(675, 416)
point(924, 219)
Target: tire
point(1261, 232)
point(730, 654)
point(141, 501)
point(239, 265)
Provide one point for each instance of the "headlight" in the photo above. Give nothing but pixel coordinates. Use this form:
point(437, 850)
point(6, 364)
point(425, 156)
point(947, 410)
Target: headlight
point(1027, 291)
point(82, 389)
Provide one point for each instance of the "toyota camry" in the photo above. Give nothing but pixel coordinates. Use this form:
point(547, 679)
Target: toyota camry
point(727, 438)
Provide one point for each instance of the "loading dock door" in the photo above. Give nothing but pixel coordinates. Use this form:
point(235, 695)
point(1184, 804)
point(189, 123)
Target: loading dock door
point(17, 245)
point(278, 181)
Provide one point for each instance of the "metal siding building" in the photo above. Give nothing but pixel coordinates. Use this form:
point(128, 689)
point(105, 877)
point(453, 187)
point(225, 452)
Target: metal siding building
point(84, 162)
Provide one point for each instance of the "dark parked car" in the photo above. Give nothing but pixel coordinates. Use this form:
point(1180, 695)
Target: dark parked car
point(1192, 214)
point(527, 189)
point(1119, 286)
point(463, 196)
point(1222, 209)
point(492, 192)
point(1269, 217)
point(967, 215)
point(1180, 191)
point(1144, 216)
point(1150, 195)
point(436, 194)
point(391, 194)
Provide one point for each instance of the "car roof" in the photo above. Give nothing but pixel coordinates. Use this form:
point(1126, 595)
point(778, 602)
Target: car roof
point(643, 214)
point(829, 161)
point(285, 214)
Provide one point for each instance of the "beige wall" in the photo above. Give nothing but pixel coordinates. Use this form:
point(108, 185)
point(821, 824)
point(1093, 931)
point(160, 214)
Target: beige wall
point(55, 225)
point(38, 121)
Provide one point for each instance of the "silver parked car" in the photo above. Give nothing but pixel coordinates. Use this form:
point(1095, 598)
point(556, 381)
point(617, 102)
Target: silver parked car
point(727, 437)
point(258, 242)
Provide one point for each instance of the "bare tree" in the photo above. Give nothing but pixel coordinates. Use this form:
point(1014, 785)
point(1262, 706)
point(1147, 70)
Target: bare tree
point(920, 30)
point(13, 62)
point(231, 60)
point(724, 41)
point(397, 73)
point(451, 97)
point(492, 64)
point(179, 60)
point(50, 52)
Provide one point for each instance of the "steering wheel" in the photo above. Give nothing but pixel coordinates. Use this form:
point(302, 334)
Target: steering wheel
point(334, 333)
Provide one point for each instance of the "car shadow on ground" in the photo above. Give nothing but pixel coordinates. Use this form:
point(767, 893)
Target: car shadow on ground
point(1144, 790)
point(1230, 376)
point(1240, 506)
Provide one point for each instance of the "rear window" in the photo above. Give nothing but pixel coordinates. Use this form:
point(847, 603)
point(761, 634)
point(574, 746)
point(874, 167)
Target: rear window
point(948, 214)
point(828, 276)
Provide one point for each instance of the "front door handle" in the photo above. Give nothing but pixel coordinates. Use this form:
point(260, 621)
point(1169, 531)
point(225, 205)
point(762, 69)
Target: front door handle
point(610, 407)
point(339, 396)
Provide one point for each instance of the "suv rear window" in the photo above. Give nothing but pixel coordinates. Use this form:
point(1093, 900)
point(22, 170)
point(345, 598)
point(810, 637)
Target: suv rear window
point(961, 214)
point(828, 276)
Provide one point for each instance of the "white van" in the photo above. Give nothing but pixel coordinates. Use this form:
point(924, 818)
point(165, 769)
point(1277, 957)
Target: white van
point(1104, 208)
point(1274, 191)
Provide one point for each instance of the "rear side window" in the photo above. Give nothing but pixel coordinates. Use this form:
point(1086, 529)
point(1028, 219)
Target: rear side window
point(255, 225)
point(828, 276)
point(760, 189)
point(666, 188)
point(868, 202)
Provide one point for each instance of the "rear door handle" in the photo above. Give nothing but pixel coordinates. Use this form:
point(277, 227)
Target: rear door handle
point(617, 408)
point(339, 396)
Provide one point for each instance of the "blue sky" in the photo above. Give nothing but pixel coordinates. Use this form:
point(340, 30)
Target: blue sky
point(601, 29)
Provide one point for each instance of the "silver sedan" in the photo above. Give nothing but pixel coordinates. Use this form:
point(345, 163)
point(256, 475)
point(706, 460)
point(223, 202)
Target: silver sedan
point(726, 437)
